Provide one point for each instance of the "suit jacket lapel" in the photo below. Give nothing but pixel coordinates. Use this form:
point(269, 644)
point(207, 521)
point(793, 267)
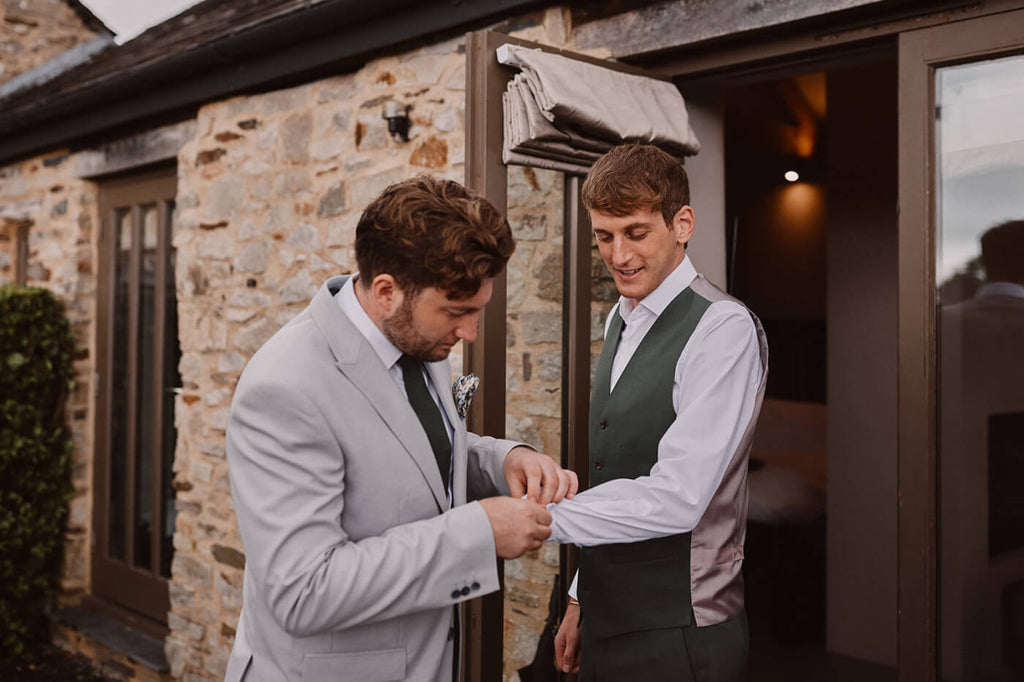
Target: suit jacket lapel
point(356, 359)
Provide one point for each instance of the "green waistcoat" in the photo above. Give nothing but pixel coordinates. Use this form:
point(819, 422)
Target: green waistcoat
point(635, 586)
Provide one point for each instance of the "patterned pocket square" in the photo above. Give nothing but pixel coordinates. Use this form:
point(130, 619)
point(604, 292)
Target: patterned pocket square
point(463, 389)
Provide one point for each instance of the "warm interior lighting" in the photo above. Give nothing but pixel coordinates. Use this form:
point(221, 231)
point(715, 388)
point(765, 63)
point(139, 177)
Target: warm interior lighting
point(792, 176)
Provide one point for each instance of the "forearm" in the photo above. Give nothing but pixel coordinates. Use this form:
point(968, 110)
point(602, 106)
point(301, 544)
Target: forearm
point(624, 510)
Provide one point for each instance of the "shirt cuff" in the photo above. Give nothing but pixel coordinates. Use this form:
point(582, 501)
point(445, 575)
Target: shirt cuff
point(572, 587)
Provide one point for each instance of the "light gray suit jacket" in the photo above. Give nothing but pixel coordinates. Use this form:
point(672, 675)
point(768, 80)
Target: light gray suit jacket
point(353, 560)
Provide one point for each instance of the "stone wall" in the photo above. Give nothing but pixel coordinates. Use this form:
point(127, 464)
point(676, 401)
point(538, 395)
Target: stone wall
point(35, 31)
point(60, 213)
point(533, 382)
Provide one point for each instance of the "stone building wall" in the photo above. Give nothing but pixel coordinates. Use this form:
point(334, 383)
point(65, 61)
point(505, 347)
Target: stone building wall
point(60, 213)
point(35, 31)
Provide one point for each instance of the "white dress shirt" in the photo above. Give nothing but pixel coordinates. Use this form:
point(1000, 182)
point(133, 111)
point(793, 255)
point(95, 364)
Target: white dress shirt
point(387, 352)
point(713, 393)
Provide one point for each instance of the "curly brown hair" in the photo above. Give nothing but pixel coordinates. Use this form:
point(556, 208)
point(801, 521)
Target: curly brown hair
point(432, 232)
point(633, 176)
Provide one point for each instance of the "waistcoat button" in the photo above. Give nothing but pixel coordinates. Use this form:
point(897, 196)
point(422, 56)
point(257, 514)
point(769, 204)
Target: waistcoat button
point(599, 465)
point(604, 424)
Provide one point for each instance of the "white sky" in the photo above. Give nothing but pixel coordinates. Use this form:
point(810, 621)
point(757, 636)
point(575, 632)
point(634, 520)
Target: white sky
point(129, 18)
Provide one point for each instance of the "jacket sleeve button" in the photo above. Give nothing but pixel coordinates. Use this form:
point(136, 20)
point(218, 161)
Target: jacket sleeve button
point(465, 591)
point(475, 585)
point(456, 594)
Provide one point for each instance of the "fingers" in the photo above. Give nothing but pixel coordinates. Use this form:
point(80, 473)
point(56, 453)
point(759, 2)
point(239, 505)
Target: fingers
point(570, 657)
point(534, 476)
point(516, 488)
point(558, 484)
point(568, 483)
point(574, 484)
point(518, 525)
point(551, 483)
point(548, 474)
point(559, 649)
point(537, 477)
point(567, 652)
point(541, 530)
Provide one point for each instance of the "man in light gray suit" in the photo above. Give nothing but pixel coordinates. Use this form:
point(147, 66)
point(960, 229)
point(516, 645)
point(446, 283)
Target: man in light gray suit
point(351, 466)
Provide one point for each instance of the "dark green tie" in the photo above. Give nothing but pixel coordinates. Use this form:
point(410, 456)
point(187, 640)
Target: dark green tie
point(426, 409)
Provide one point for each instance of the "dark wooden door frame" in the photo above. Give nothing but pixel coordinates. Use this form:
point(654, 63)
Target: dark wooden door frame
point(115, 581)
point(921, 52)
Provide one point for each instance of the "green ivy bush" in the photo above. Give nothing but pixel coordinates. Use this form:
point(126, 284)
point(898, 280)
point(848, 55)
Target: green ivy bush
point(36, 374)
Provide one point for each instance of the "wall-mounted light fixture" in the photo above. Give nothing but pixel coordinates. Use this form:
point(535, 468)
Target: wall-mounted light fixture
point(397, 116)
point(791, 175)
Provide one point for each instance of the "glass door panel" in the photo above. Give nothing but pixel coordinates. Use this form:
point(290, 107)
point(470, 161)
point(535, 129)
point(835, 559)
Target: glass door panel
point(138, 372)
point(979, 162)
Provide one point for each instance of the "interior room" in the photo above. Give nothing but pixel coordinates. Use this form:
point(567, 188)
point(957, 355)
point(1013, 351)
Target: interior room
point(811, 217)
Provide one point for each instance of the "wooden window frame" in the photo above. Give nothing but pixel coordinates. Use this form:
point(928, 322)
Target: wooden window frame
point(921, 53)
point(21, 252)
point(140, 595)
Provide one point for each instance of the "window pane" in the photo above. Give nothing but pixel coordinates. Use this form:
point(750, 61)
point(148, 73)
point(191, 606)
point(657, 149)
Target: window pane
point(168, 433)
point(119, 383)
point(980, 280)
point(143, 522)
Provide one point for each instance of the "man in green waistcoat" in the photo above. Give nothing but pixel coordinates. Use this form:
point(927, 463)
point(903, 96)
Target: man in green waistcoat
point(659, 592)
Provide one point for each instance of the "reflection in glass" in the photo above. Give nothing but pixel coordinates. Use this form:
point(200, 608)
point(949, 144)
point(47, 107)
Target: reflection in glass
point(168, 433)
point(143, 522)
point(980, 280)
point(119, 384)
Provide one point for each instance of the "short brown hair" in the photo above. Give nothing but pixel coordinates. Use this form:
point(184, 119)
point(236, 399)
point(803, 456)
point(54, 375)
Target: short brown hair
point(432, 232)
point(633, 176)
point(1001, 249)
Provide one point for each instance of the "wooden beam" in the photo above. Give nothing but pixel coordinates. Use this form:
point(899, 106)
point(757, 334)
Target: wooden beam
point(484, 618)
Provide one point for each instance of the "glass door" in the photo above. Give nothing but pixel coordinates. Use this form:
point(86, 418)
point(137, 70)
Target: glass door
point(979, 202)
point(138, 353)
point(963, 228)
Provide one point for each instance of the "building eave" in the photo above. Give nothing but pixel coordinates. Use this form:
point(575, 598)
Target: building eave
point(125, 86)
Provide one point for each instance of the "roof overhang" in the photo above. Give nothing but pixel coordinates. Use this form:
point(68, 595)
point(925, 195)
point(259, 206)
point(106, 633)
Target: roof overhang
point(218, 49)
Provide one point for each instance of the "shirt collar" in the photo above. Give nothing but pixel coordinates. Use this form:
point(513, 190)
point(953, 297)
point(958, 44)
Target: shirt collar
point(665, 293)
point(353, 309)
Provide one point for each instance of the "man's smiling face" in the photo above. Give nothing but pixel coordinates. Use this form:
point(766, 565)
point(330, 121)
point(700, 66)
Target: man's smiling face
point(639, 249)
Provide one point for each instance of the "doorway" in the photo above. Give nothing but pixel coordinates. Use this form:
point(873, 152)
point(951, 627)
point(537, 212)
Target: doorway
point(138, 357)
point(811, 248)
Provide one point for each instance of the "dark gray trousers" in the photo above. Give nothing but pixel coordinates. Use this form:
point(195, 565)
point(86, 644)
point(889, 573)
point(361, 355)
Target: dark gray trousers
point(716, 653)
